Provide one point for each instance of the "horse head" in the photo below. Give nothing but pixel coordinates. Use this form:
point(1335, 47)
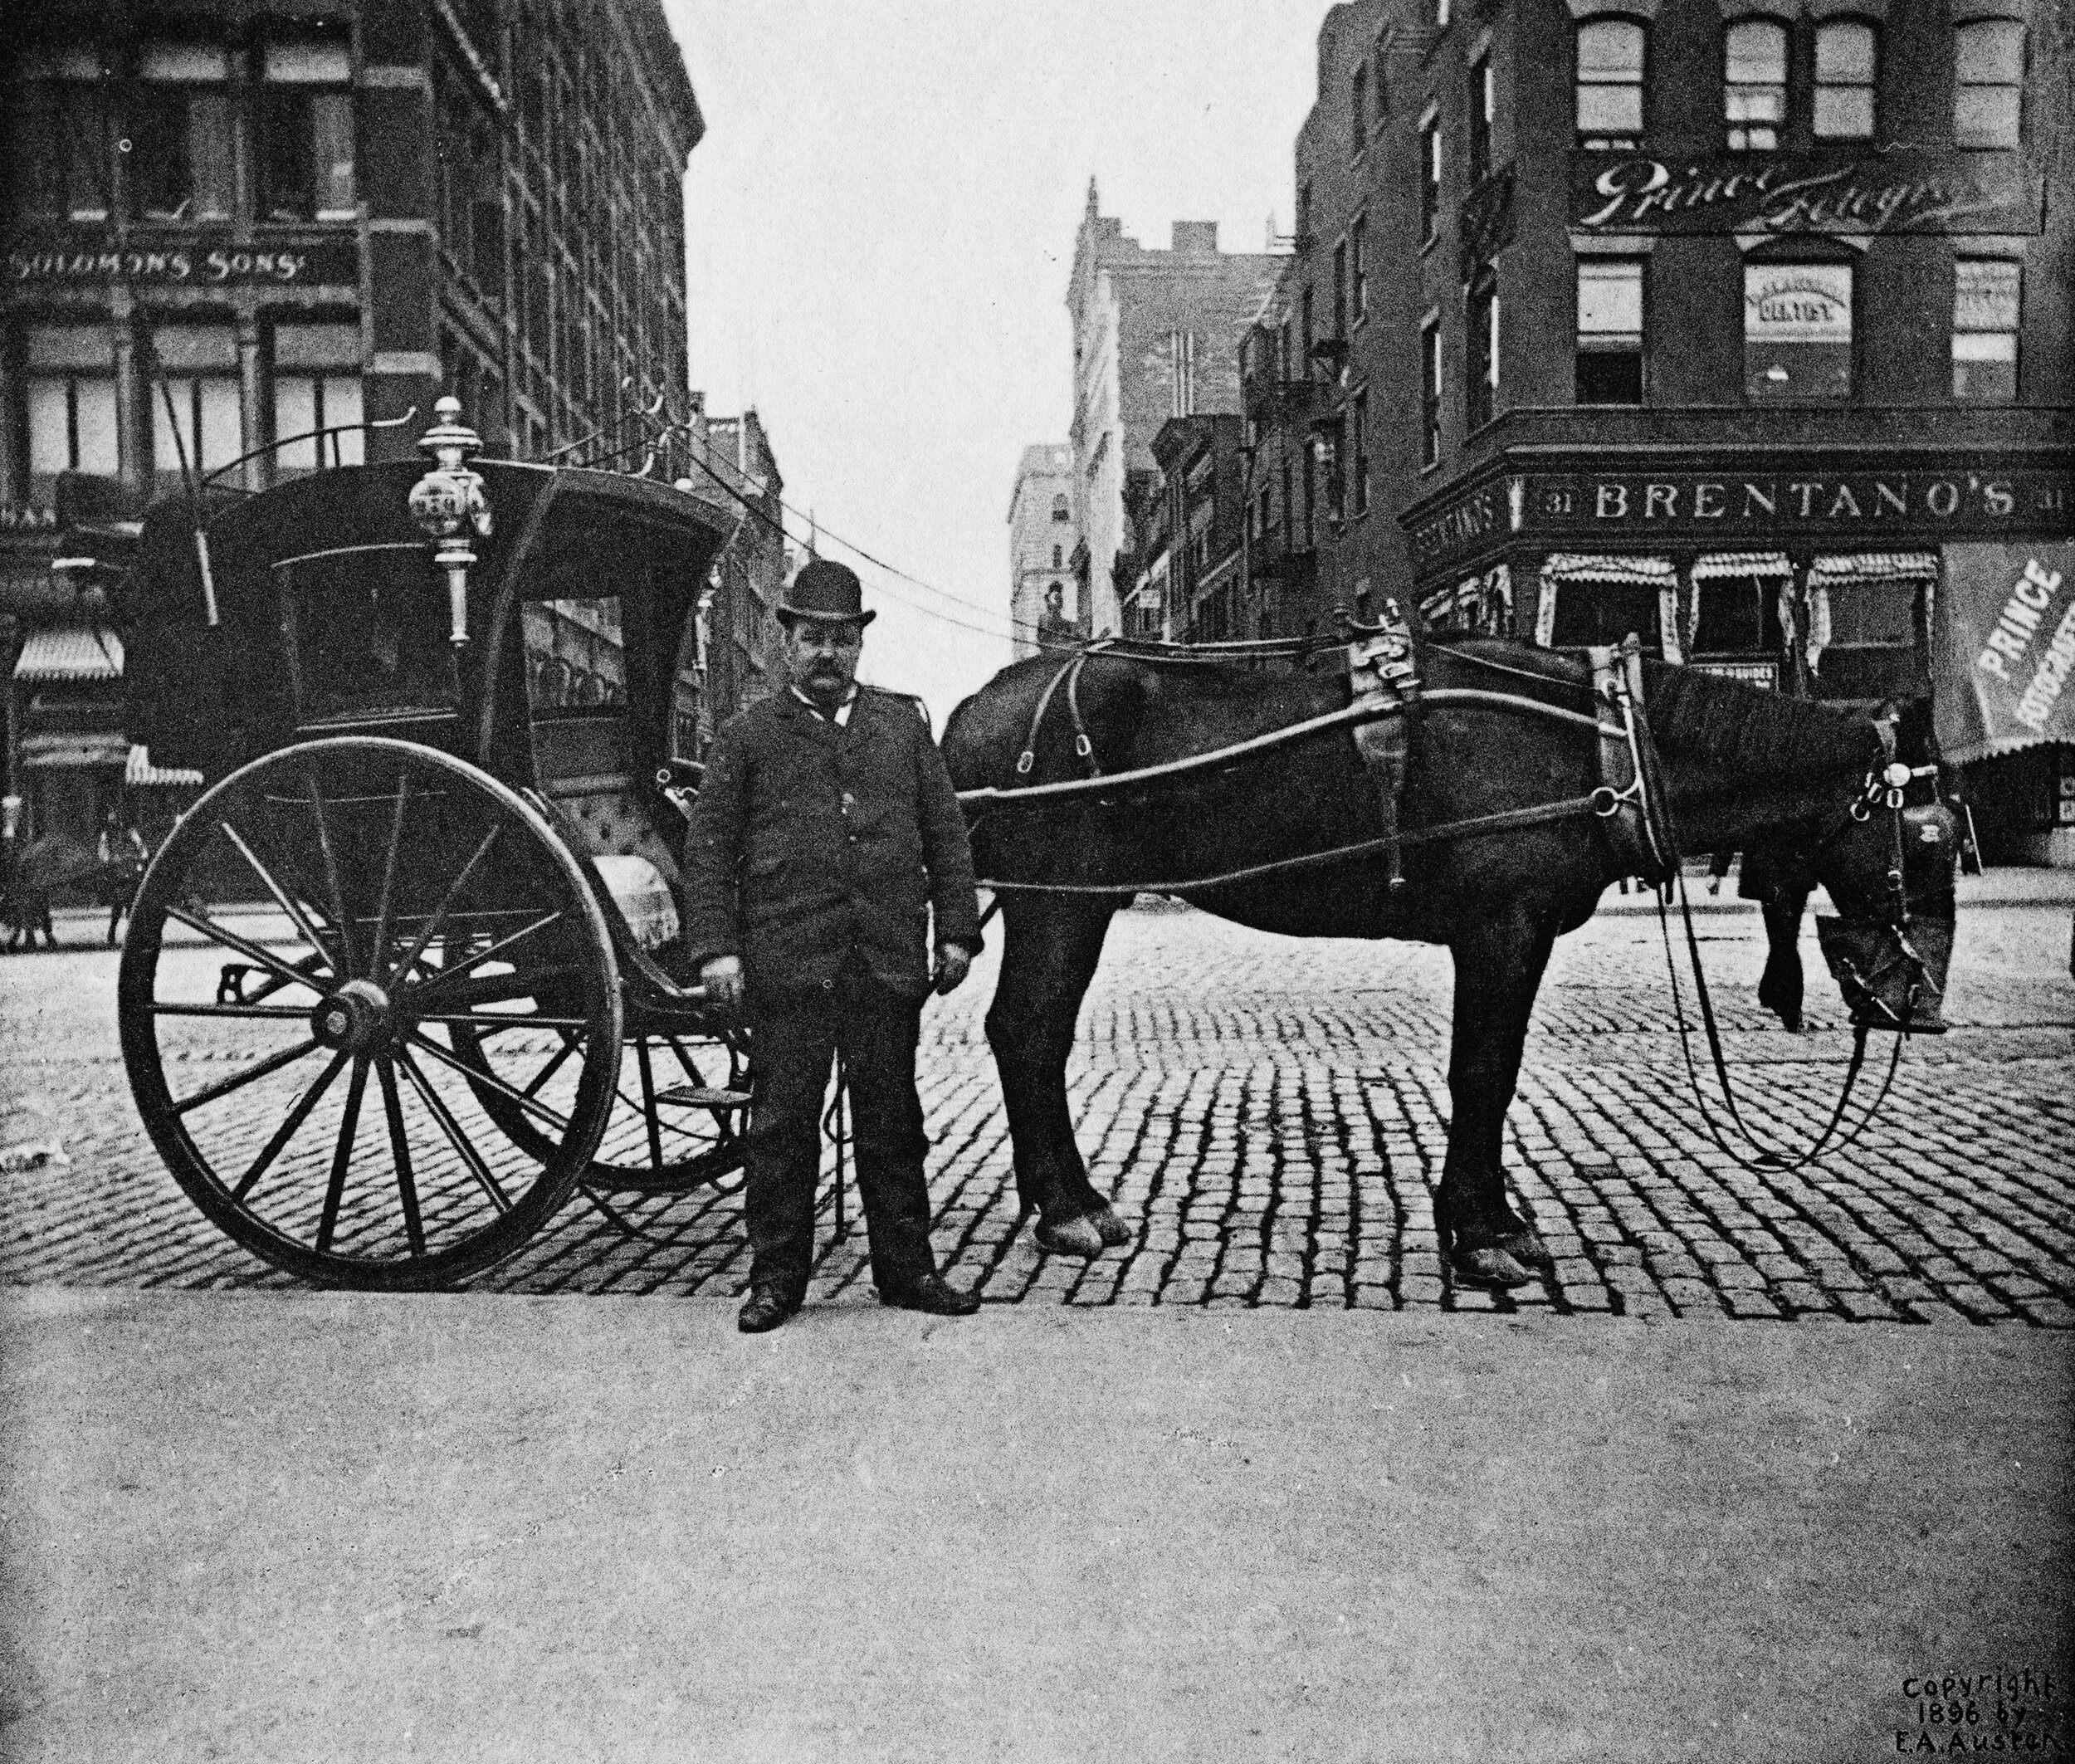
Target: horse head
point(1888, 867)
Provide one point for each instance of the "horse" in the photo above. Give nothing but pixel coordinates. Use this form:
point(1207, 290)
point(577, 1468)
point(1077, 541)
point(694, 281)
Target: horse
point(31, 874)
point(1505, 733)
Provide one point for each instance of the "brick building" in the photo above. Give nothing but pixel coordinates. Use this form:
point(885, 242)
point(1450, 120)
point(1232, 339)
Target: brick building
point(228, 225)
point(1741, 323)
point(1193, 588)
point(1153, 338)
point(1043, 593)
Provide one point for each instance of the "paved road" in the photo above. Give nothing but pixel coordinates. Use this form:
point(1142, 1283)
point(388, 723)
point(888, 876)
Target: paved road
point(1271, 1114)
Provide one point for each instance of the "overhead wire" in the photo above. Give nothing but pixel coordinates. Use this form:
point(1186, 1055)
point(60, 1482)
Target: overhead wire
point(1016, 626)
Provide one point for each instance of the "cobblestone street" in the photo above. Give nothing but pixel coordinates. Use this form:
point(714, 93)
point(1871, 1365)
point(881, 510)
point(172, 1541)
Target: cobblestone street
point(1270, 1116)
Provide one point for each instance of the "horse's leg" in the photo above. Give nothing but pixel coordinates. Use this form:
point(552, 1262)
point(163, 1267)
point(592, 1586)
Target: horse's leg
point(1049, 951)
point(1498, 968)
point(1780, 987)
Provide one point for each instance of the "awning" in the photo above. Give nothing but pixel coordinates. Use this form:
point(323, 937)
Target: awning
point(2002, 668)
point(70, 653)
point(1571, 566)
point(138, 771)
point(1874, 566)
point(1723, 564)
point(57, 752)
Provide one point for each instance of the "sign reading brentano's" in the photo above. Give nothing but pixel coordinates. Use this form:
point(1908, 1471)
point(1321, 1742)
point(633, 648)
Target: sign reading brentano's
point(186, 260)
point(1742, 507)
point(1901, 190)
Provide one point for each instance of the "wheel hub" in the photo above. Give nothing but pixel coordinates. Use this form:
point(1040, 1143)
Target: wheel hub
point(353, 1018)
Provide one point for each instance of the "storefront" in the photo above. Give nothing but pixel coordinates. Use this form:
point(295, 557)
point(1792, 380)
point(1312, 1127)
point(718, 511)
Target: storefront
point(66, 713)
point(1827, 578)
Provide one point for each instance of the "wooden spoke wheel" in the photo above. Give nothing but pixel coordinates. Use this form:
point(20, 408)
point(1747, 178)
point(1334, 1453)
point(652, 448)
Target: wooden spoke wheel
point(680, 1111)
point(340, 950)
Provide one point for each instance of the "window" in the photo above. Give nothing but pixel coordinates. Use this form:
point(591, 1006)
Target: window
point(1429, 180)
point(1430, 392)
point(1060, 509)
point(1358, 110)
point(1846, 54)
point(1610, 331)
point(71, 405)
point(1755, 83)
point(1264, 511)
point(316, 385)
point(1604, 612)
point(1988, 76)
point(1307, 335)
point(1483, 112)
point(1304, 209)
point(305, 134)
point(177, 146)
point(1736, 614)
point(1984, 331)
point(1311, 502)
point(1340, 288)
point(1282, 349)
point(195, 403)
point(1797, 331)
point(1483, 329)
point(1058, 557)
point(1357, 267)
point(1610, 82)
point(1181, 355)
point(59, 135)
point(1358, 443)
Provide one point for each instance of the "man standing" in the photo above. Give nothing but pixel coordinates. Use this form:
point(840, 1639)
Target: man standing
point(825, 839)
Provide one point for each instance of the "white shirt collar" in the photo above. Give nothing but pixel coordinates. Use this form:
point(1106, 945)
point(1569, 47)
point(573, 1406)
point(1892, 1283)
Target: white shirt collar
point(841, 717)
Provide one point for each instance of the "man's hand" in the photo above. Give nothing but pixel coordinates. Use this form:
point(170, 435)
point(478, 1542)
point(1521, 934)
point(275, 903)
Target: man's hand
point(954, 961)
point(722, 975)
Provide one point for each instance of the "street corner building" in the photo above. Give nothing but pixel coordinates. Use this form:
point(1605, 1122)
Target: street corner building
point(235, 236)
point(1740, 325)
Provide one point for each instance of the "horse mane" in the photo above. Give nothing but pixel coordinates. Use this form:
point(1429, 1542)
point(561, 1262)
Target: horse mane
point(1706, 716)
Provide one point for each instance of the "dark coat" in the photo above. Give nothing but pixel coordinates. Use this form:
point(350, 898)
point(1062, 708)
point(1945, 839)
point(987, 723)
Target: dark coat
point(811, 839)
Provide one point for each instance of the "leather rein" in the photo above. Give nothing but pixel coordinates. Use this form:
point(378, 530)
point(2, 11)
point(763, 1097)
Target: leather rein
point(1603, 801)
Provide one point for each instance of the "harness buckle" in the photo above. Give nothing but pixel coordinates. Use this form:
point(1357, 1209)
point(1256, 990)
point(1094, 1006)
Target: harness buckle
point(1082, 746)
point(1611, 807)
point(1025, 761)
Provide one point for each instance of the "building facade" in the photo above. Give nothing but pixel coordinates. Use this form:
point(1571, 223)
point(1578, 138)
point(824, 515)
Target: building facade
point(1193, 590)
point(229, 226)
point(1154, 335)
point(1044, 602)
point(739, 629)
point(1740, 324)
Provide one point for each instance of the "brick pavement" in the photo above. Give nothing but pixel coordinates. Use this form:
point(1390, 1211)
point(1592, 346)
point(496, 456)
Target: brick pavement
point(1269, 1114)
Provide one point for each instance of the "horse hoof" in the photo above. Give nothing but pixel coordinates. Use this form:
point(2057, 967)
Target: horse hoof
point(1527, 1248)
point(1493, 1267)
point(1111, 1229)
point(1075, 1236)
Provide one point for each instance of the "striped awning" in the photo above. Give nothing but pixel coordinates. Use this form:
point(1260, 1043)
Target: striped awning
point(70, 653)
point(140, 771)
point(1874, 566)
point(72, 752)
point(1721, 564)
point(1572, 566)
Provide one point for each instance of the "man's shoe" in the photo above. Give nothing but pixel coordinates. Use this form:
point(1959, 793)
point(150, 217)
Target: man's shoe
point(929, 1293)
point(765, 1308)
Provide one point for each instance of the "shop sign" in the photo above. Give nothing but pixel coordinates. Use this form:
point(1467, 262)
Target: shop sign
point(1710, 507)
point(1797, 330)
point(2005, 677)
point(184, 259)
point(1902, 190)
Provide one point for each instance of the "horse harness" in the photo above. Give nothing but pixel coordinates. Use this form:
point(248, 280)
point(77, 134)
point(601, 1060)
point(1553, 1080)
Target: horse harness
point(1387, 699)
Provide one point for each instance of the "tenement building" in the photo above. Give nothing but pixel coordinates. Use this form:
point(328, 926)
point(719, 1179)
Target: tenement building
point(1154, 335)
point(236, 232)
point(1043, 595)
point(1742, 325)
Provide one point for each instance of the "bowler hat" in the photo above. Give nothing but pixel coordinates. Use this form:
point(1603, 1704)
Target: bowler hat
point(828, 594)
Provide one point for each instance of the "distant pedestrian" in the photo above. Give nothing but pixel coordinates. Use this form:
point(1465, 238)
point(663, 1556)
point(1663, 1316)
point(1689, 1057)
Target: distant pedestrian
point(825, 840)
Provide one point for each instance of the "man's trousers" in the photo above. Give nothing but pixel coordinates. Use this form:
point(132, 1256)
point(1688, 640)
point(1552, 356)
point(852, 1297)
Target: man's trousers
point(793, 1038)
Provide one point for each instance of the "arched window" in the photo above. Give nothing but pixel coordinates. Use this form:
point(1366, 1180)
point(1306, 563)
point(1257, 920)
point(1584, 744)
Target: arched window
point(1988, 83)
point(1755, 83)
point(1847, 53)
point(1610, 53)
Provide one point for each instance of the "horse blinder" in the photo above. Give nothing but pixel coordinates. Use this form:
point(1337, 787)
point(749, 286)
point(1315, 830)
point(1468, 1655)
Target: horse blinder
point(1892, 966)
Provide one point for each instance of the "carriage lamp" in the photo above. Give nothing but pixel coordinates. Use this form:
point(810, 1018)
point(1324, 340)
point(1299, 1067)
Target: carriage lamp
point(449, 507)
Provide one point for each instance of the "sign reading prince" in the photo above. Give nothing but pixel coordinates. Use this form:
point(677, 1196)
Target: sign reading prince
point(1901, 190)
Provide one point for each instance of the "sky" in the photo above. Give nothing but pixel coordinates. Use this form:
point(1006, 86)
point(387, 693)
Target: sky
point(881, 224)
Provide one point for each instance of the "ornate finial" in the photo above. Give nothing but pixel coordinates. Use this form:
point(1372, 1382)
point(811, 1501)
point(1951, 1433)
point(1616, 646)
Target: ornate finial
point(449, 507)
